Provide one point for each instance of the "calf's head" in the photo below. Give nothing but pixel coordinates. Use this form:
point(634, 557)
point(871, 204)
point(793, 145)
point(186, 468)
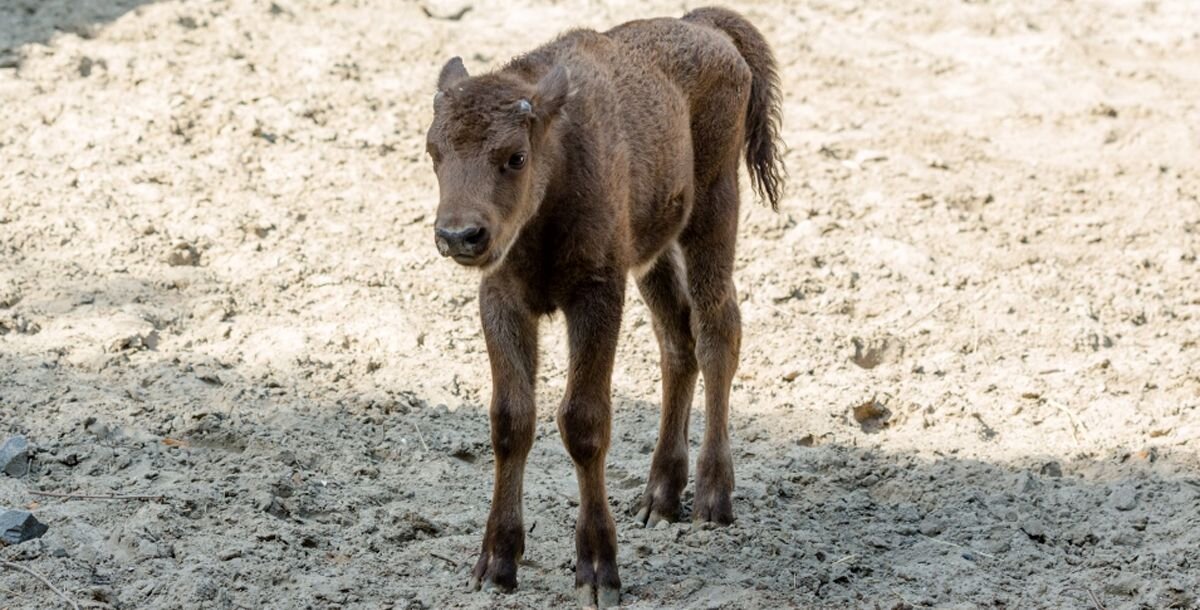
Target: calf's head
point(489, 146)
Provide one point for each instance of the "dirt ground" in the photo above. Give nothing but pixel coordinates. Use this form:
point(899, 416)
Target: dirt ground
point(218, 285)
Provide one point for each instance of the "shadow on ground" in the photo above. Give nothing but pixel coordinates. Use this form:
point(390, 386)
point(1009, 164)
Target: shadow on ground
point(37, 21)
point(273, 498)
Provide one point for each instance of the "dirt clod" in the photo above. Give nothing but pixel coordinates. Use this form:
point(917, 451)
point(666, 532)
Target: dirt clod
point(1124, 498)
point(183, 254)
point(872, 416)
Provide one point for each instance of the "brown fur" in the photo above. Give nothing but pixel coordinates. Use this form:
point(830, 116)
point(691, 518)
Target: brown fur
point(589, 157)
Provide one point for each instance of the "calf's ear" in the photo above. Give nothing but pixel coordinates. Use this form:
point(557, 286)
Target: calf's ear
point(452, 73)
point(552, 92)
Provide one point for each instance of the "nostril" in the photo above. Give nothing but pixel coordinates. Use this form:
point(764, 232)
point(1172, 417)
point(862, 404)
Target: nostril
point(469, 241)
point(474, 236)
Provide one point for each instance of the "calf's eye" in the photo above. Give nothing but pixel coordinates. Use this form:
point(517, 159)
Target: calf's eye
point(517, 161)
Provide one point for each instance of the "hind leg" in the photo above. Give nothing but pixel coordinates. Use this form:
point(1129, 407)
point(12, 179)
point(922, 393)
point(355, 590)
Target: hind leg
point(708, 247)
point(664, 290)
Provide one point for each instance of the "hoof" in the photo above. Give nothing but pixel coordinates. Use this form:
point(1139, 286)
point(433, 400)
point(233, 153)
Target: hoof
point(658, 505)
point(494, 573)
point(714, 507)
point(650, 515)
point(589, 596)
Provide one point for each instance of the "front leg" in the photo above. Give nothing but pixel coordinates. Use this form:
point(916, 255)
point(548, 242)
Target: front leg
point(584, 422)
point(511, 334)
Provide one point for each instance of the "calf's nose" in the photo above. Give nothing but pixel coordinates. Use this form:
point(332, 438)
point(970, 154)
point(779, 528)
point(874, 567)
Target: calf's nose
point(468, 241)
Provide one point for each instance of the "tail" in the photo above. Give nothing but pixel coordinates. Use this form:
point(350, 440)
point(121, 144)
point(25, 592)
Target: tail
point(764, 156)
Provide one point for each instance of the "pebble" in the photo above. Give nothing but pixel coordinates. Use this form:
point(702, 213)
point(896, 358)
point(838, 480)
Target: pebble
point(446, 10)
point(1124, 498)
point(1052, 469)
point(699, 538)
point(1026, 484)
point(183, 255)
point(17, 526)
point(1127, 538)
point(871, 416)
point(1034, 529)
point(14, 457)
point(932, 526)
point(1124, 585)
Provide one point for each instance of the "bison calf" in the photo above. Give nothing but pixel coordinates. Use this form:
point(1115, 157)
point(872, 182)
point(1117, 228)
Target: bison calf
point(587, 158)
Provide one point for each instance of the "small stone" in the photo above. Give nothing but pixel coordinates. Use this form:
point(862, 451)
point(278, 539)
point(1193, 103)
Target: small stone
point(183, 255)
point(698, 538)
point(1051, 469)
point(870, 354)
point(997, 547)
point(1127, 538)
point(690, 586)
point(14, 457)
point(932, 526)
point(877, 542)
point(1124, 498)
point(262, 229)
point(1081, 534)
point(446, 10)
point(1125, 585)
point(1026, 484)
point(872, 416)
point(1034, 529)
point(17, 526)
point(783, 294)
point(420, 523)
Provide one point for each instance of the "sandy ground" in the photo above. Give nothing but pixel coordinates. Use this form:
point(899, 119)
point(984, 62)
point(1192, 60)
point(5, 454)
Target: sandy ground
point(218, 285)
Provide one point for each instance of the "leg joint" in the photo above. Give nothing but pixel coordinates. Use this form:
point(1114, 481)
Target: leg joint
point(512, 429)
point(585, 430)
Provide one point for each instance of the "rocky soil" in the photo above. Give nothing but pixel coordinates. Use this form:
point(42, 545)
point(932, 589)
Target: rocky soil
point(970, 374)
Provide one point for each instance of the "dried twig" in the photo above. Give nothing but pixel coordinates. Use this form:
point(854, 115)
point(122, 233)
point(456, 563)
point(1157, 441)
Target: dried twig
point(978, 297)
point(13, 566)
point(570, 499)
point(845, 559)
point(1075, 425)
point(902, 598)
point(69, 496)
point(421, 436)
point(452, 563)
point(918, 319)
point(1090, 594)
point(958, 546)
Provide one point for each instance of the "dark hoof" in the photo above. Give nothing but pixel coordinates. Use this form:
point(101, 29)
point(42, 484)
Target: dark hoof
point(658, 506)
point(713, 507)
point(589, 596)
point(493, 572)
point(597, 583)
